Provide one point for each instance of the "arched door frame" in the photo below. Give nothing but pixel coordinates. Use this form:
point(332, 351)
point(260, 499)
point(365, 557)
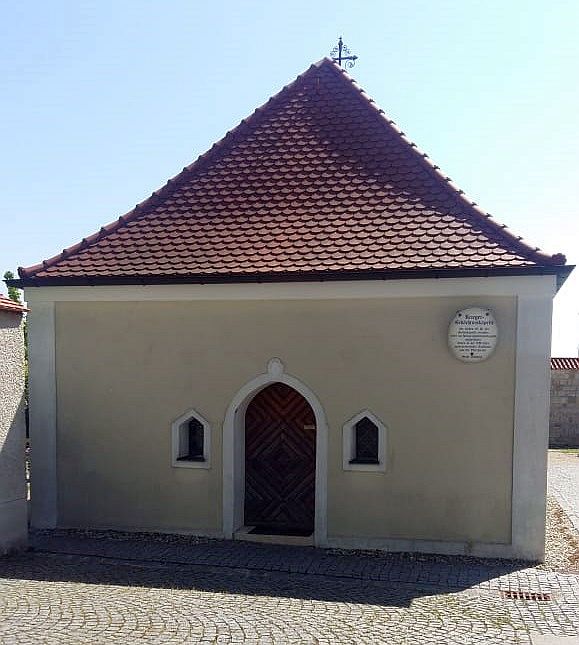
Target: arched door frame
point(234, 450)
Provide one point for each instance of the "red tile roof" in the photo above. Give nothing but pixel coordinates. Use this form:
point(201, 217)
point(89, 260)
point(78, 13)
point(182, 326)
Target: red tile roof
point(317, 183)
point(9, 305)
point(565, 363)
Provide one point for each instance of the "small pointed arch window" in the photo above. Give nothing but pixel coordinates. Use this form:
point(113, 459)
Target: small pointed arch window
point(364, 443)
point(191, 441)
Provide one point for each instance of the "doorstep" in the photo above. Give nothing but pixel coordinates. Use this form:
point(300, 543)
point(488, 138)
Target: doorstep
point(245, 535)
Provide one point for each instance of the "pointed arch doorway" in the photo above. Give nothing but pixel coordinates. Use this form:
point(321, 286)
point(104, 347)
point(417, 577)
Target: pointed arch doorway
point(234, 451)
point(280, 462)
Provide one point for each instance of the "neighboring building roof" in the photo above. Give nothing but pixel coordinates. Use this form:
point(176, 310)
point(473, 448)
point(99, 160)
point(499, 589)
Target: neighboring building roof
point(565, 363)
point(9, 305)
point(316, 184)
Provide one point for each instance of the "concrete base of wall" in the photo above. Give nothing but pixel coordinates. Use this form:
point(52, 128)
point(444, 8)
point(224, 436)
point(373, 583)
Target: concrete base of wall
point(440, 547)
point(473, 549)
point(136, 530)
point(13, 526)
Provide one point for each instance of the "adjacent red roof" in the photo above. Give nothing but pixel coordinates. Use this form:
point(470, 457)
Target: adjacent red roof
point(565, 363)
point(9, 305)
point(317, 183)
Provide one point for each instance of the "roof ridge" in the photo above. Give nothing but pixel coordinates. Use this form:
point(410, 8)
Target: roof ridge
point(202, 159)
point(487, 218)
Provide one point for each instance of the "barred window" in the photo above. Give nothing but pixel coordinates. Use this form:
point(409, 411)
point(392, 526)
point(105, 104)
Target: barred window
point(191, 441)
point(191, 436)
point(366, 442)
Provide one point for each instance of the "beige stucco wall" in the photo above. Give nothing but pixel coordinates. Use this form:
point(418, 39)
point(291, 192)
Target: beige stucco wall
point(13, 511)
point(126, 370)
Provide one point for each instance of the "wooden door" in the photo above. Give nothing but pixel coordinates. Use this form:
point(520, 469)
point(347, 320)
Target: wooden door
point(280, 461)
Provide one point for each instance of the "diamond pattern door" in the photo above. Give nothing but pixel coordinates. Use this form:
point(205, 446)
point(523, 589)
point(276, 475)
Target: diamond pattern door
point(280, 460)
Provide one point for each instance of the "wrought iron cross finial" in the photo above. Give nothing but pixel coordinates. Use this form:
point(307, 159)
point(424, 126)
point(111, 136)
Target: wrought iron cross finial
point(342, 53)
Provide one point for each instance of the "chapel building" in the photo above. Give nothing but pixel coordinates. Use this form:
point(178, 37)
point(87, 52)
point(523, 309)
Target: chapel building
point(272, 347)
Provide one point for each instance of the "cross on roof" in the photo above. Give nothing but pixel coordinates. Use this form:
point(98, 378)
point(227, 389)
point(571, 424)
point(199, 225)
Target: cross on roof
point(342, 53)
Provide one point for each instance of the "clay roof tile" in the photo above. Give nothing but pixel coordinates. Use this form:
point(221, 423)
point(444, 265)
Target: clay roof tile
point(6, 304)
point(318, 164)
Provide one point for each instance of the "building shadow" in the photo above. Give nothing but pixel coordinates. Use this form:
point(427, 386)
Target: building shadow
point(220, 566)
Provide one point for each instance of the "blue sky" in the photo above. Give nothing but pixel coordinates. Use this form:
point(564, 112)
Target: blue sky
point(101, 102)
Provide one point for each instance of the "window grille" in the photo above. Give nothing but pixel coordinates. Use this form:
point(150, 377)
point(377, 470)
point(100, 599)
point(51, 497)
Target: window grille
point(195, 443)
point(191, 441)
point(366, 442)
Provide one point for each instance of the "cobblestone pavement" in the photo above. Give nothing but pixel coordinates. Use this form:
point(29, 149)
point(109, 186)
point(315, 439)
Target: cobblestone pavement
point(211, 591)
point(563, 483)
point(102, 587)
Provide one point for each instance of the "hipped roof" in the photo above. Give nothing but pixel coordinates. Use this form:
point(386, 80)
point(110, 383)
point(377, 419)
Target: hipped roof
point(317, 183)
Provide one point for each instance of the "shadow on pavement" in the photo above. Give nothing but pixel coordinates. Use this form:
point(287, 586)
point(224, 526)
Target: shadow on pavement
point(221, 566)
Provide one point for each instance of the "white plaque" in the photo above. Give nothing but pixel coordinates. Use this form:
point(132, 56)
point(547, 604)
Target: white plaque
point(473, 334)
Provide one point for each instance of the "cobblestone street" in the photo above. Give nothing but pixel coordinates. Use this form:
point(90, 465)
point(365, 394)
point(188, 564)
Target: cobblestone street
point(98, 601)
point(98, 588)
point(563, 483)
point(244, 593)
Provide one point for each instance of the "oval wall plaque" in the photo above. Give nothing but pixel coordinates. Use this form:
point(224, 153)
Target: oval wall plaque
point(473, 334)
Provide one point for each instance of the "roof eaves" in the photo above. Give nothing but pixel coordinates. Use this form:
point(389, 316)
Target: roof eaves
point(298, 276)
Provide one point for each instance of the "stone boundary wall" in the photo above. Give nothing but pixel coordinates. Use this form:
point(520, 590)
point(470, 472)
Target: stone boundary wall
point(13, 506)
point(564, 418)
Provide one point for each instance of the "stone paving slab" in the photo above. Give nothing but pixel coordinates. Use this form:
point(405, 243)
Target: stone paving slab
point(563, 483)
